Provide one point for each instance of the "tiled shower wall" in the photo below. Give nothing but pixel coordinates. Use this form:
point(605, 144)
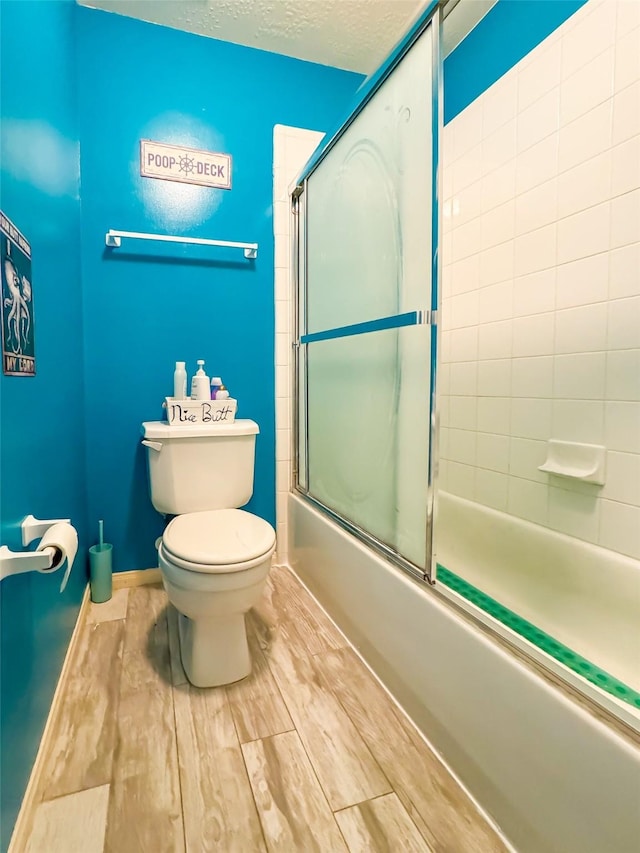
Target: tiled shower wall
point(292, 147)
point(541, 289)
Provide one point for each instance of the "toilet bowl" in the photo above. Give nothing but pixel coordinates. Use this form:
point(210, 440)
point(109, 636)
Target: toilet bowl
point(214, 566)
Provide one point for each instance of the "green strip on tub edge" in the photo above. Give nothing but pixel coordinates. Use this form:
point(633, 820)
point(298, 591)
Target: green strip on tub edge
point(572, 660)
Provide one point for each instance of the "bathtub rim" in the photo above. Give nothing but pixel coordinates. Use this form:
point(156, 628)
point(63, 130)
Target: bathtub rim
point(618, 715)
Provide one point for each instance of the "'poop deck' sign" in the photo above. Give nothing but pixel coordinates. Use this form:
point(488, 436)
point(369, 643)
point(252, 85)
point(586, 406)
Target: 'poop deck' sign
point(185, 165)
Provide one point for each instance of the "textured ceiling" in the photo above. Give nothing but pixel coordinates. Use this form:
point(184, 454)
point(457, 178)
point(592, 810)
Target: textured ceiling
point(353, 34)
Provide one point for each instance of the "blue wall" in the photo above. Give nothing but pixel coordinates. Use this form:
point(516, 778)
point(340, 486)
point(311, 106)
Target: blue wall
point(42, 417)
point(146, 306)
point(510, 30)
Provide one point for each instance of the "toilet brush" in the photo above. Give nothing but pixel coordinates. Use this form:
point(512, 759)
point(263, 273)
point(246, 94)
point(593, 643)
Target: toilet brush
point(100, 568)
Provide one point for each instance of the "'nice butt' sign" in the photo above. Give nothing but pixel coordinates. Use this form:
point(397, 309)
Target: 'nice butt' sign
point(185, 165)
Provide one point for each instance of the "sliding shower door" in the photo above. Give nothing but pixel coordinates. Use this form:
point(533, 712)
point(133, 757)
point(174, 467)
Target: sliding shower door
point(366, 321)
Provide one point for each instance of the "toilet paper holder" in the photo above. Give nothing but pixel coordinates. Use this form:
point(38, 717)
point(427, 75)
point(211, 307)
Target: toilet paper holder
point(16, 562)
point(35, 528)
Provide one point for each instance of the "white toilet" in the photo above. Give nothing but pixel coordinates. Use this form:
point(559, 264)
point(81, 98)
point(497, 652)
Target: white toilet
point(214, 558)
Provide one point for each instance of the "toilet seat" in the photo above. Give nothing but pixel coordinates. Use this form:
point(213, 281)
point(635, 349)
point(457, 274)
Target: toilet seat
point(217, 541)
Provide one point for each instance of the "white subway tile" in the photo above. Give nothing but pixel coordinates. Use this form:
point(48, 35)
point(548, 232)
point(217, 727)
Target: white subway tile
point(466, 239)
point(531, 418)
point(467, 169)
point(444, 378)
point(622, 426)
point(496, 302)
point(496, 264)
point(499, 147)
point(283, 314)
point(533, 335)
point(446, 316)
point(499, 186)
point(467, 129)
point(583, 282)
point(282, 252)
point(283, 382)
point(494, 415)
point(492, 452)
point(628, 18)
point(282, 349)
point(498, 225)
point(627, 70)
point(283, 413)
point(494, 377)
point(464, 344)
point(447, 179)
point(443, 442)
point(465, 275)
point(491, 489)
point(625, 175)
point(500, 103)
point(495, 340)
point(579, 377)
point(525, 457)
point(539, 75)
point(623, 375)
point(594, 33)
point(623, 323)
point(464, 309)
point(536, 250)
point(585, 185)
point(460, 480)
point(578, 420)
point(283, 476)
point(443, 411)
point(528, 500)
point(622, 479)
point(462, 446)
point(589, 86)
point(283, 445)
point(585, 233)
point(537, 207)
point(532, 377)
point(586, 137)
point(445, 345)
point(462, 413)
point(282, 501)
point(625, 219)
point(467, 204)
point(626, 114)
point(620, 527)
point(464, 378)
point(582, 329)
point(535, 293)
point(539, 120)
point(442, 474)
point(282, 284)
point(538, 164)
point(624, 277)
point(574, 514)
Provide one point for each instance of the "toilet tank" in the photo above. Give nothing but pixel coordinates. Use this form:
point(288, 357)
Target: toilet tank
point(200, 467)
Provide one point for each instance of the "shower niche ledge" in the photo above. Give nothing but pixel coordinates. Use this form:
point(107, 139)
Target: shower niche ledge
point(585, 462)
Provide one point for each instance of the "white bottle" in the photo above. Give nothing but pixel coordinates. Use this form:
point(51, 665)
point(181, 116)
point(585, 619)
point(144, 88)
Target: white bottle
point(200, 388)
point(222, 393)
point(180, 381)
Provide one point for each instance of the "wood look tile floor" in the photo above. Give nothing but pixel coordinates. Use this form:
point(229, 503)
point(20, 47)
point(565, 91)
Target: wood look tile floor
point(306, 754)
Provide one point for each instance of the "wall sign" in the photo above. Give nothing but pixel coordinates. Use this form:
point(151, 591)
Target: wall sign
point(18, 358)
point(185, 165)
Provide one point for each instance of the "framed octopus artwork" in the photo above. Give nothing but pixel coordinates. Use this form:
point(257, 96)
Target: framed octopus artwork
point(18, 356)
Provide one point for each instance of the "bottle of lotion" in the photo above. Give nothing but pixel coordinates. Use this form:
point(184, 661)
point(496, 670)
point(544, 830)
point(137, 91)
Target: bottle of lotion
point(180, 381)
point(200, 389)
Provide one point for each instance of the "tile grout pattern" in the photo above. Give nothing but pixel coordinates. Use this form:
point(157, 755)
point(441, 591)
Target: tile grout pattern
point(307, 753)
point(541, 293)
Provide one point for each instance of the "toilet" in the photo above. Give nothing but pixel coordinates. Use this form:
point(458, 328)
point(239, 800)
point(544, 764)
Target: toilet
point(213, 556)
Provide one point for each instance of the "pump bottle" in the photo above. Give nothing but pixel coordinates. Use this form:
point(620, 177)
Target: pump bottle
point(200, 389)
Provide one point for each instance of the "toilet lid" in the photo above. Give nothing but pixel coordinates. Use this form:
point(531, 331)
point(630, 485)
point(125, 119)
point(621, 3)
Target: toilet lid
point(218, 537)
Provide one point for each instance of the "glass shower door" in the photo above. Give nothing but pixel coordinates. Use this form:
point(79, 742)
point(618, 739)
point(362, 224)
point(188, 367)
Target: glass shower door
point(366, 298)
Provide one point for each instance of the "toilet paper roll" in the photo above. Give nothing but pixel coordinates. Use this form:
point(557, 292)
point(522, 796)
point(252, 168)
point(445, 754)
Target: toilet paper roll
point(63, 539)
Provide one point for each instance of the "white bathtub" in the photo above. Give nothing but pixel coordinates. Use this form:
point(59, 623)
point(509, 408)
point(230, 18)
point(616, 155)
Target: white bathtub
point(551, 775)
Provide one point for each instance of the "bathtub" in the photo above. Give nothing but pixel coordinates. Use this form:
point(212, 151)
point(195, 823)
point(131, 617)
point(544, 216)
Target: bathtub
point(554, 777)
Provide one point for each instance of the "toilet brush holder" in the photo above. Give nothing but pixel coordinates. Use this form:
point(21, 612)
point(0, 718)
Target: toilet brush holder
point(100, 570)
